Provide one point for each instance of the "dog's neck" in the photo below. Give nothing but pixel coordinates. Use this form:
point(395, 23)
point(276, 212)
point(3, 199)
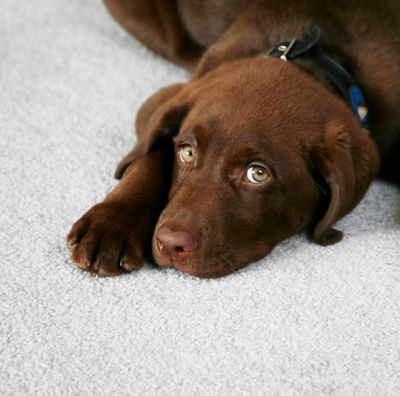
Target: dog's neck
point(374, 65)
point(329, 71)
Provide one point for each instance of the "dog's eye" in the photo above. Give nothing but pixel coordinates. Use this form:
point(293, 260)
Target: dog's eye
point(257, 174)
point(186, 153)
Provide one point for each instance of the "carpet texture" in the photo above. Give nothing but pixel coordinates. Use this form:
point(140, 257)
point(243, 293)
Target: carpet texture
point(307, 320)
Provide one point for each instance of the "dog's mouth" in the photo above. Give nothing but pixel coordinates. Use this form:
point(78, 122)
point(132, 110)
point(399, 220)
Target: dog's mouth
point(194, 264)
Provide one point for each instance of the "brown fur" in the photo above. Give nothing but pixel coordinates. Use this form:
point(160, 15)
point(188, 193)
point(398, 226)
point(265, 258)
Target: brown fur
point(239, 109)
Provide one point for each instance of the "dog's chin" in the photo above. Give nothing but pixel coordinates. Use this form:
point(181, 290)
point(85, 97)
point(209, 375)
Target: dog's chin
point(202, 270)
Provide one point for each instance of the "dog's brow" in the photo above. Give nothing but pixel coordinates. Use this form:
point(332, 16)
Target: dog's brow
point(186, 137)
point(201, 134)
point(197, 134)
point(248, 153)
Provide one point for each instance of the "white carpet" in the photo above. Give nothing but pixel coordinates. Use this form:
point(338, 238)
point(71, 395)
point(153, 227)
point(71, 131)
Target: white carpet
point(307, 320)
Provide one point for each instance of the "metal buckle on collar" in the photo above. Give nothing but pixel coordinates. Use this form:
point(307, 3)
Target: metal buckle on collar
point(295, 48)
point(286, 49)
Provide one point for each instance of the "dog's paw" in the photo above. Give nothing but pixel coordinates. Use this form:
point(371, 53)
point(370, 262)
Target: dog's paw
point(107, 240)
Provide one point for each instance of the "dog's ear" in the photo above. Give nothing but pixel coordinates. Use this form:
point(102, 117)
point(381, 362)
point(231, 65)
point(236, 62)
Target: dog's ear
point(158, 119)
point(348, 162)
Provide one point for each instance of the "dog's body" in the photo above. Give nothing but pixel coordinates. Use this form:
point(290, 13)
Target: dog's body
point(255, 136)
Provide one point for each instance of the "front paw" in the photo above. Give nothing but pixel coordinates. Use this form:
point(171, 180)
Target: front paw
point(108, 240)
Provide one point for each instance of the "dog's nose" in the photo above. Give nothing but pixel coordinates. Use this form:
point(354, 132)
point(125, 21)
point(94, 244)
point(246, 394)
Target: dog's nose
point(175, 244)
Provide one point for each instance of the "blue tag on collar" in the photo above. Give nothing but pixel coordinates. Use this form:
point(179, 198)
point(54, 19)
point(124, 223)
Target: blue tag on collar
point(358, 104)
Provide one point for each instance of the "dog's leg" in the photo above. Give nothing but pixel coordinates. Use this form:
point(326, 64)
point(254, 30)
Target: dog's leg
point(112, 236)
point(156, 23)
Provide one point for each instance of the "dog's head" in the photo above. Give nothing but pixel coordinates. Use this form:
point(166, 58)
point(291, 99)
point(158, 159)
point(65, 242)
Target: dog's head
point(262, 152)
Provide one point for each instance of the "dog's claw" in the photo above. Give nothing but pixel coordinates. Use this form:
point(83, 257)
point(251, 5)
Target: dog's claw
point(121, 262)
point(74, 242)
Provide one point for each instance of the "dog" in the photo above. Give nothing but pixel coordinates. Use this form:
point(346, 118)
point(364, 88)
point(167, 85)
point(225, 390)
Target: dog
point(270, 136)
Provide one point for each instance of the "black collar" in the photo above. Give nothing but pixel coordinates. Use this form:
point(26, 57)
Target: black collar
point(336, 74)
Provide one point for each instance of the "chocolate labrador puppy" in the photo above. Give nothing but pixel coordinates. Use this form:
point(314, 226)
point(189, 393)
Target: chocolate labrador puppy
point(271, 135)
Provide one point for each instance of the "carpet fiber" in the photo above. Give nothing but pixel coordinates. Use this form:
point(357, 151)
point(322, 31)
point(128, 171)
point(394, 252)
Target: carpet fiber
point(306, 320)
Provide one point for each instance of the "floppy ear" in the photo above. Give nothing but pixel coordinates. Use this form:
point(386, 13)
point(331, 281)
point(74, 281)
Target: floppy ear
point(348, 161)
point(158, 118)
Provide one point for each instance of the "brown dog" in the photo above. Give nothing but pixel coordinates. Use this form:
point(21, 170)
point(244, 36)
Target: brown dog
point(253, 149)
